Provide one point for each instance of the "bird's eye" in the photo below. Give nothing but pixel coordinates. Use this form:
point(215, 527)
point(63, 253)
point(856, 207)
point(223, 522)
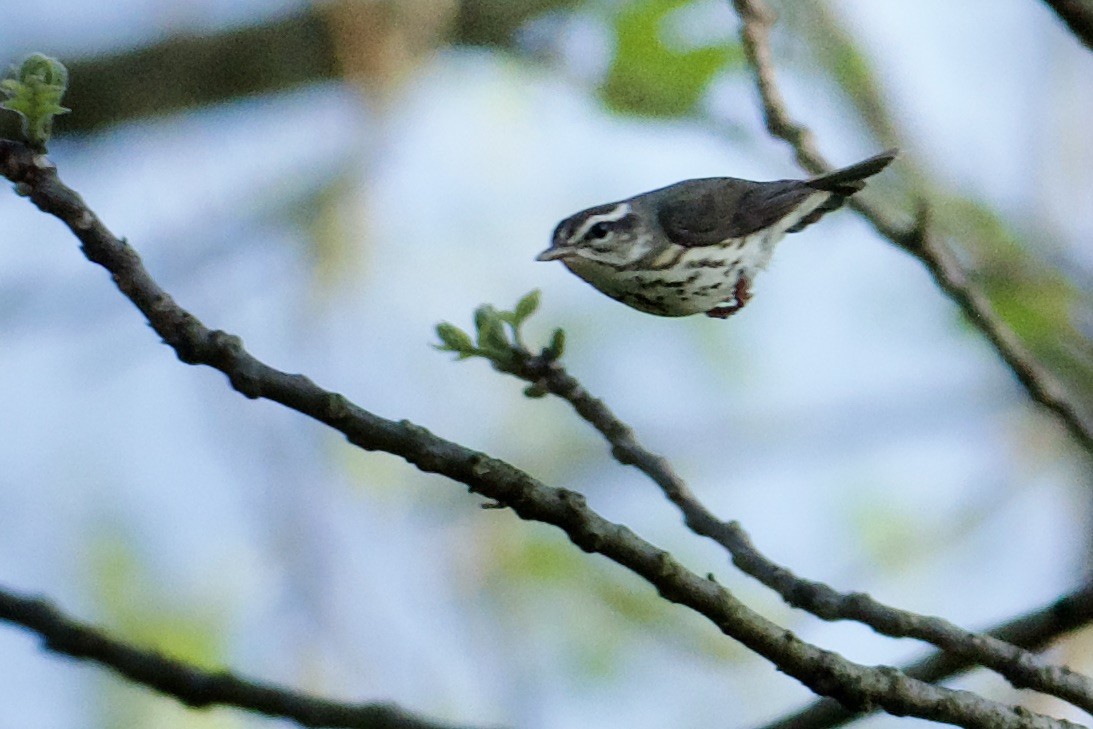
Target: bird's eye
point(597, 231)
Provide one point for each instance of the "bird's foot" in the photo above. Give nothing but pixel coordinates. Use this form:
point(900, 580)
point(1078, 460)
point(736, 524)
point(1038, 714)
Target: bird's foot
point(741, 295)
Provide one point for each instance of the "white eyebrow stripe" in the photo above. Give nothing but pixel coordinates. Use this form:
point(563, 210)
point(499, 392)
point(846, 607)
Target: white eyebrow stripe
point(619, 212)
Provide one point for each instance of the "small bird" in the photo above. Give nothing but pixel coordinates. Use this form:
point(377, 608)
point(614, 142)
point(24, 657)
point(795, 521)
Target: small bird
point(696, 246)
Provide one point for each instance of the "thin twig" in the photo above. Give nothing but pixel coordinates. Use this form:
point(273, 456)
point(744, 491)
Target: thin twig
point(824, 672)
point(193, 686)
point(1021, 668)
point(1033, 631)
point(918, 240)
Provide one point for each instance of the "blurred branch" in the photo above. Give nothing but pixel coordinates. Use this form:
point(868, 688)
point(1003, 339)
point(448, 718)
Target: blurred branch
point(837, 51)
point(190, 685)
point(187, 71)
point(824, 672)
point(1022, 669)
point(917, 238)
point(495, 22)
point(1034, 631)
point(1078, 15)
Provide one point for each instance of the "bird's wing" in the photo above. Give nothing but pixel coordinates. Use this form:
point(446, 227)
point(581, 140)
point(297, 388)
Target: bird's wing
point(707, 212)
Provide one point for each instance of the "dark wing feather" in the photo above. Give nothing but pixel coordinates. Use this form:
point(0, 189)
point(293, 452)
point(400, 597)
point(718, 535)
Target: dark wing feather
point(842, 184)
point(848, 180)
point(706, 212)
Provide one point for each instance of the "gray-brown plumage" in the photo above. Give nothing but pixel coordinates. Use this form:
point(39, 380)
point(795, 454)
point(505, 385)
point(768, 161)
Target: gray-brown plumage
point(695, 246)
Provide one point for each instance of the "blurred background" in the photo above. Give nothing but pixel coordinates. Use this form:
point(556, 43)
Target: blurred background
point(331, 180)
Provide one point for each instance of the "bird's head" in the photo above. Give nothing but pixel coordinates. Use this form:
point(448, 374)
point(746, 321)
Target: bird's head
point(611, 235)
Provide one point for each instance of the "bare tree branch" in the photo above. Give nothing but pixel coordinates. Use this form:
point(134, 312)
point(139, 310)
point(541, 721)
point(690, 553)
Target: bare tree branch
point(1034, 631)
point(1021, 668)
point(195, 687)
point(1078, 15)
point(916, 239)
point(824, 672)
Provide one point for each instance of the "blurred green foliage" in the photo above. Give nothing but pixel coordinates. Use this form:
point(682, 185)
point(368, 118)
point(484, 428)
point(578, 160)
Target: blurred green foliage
point(605, 611)
point(652, 74)
point(329, 217)
point(136, 604)
point(1037, 299)
point(831, 51)
point(128, 594)
point(885, 531)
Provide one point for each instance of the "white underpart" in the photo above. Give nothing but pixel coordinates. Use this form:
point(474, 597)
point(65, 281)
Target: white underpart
point(755, 254)
point(619, 212)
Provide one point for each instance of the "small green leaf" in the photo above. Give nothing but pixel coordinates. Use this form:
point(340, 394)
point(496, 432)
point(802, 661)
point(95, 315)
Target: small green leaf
point(526, 306)
point(492, 339)
point(35, 94)
point(491, 332)
point(482, 315)
point(556, 348)
point(454, 339)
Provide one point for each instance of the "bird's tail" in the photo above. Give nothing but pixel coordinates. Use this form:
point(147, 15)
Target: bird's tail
point(850, 179)
point(842, 184)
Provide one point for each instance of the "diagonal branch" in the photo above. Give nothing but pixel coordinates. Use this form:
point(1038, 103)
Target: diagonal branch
point(1021, 668)
point(1033, 631)
point(824, 672)
point(916, 239)
point(1078, 15)
point(195, 687)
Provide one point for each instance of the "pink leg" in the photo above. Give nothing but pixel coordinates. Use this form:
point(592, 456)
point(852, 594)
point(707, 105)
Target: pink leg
point(741, 296)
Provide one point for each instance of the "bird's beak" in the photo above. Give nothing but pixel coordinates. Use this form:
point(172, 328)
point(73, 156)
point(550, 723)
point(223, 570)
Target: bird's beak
point(554, 253)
